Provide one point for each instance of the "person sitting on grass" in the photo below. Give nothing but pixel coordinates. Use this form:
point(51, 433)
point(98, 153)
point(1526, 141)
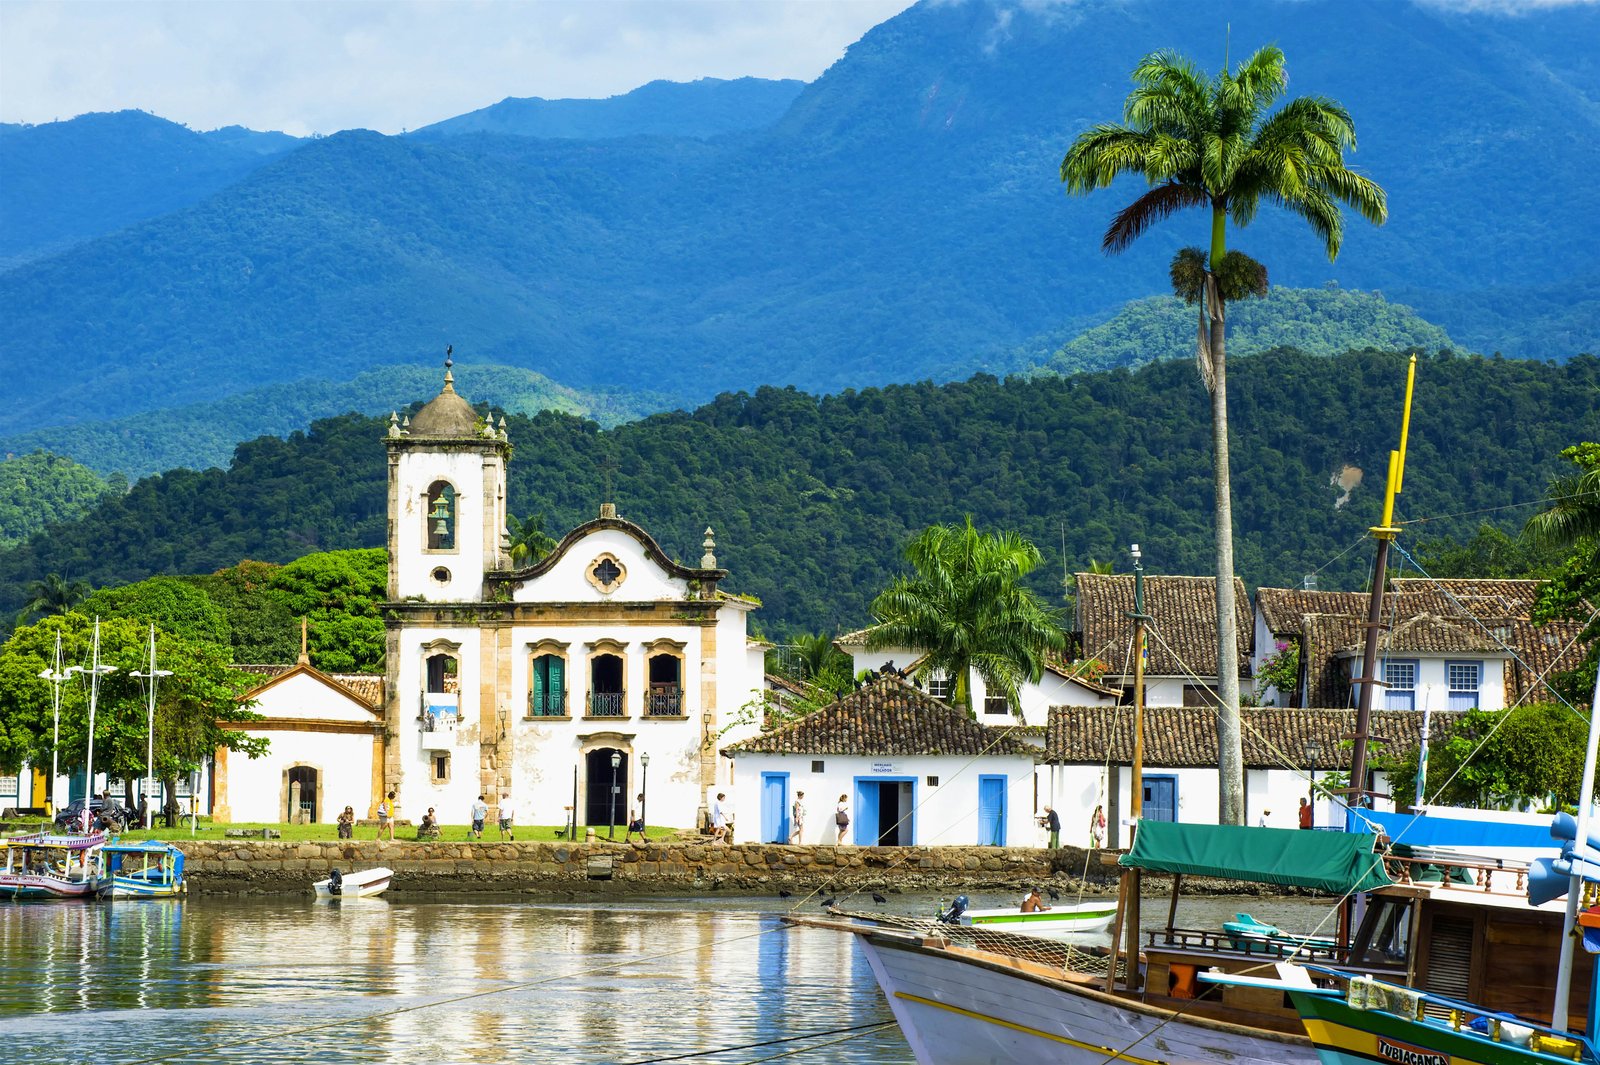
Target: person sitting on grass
point(429, 829)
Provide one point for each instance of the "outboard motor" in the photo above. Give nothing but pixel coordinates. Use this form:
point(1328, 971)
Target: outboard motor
point(335, 883)
point(958, 906)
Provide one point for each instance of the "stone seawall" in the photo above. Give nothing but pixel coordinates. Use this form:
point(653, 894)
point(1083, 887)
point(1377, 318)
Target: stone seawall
point(274, 867)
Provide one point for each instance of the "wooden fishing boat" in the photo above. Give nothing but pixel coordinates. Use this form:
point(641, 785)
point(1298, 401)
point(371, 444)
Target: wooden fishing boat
point(1080, 918)
point(48, 866)
point(143, 869)
point(360, 884)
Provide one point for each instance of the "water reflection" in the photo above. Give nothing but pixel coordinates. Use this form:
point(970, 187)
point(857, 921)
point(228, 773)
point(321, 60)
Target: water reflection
point(255, 981)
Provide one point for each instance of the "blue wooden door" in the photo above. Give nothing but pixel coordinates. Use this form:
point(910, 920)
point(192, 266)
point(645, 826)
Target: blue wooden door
point(1161, 798)
point(991, 811)
point(775, 807)
point(864, 819)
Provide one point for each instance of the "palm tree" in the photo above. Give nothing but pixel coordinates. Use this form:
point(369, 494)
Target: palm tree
point(1209, 142)
point(53, 595)
point(529, 541)
point(1574, 511)
point(966, 609)
point(817, 662)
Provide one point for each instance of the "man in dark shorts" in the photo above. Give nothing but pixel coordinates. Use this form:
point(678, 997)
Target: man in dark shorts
point(480, 813)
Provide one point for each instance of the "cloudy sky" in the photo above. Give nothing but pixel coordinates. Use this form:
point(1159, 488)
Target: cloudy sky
point(327, 65)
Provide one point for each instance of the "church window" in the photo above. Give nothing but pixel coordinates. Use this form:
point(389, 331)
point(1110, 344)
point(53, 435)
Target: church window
point(548, 696)
point(606, 573)
point(606, 693)
point(441, 768)
point(441, 517)
point(441, 575)
point(666, 688)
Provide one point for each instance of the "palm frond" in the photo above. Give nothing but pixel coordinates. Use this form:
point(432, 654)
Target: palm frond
point(1321, 214)
point(1101, 154)
point(1240, 277)
point(1188, 273)
point(1159, 203)
point(1354, 190)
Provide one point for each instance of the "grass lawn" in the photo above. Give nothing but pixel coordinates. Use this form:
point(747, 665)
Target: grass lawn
point(402, 833)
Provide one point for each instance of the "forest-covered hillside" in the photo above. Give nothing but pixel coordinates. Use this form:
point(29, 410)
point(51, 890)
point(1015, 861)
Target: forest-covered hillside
point(813, 499)
point(903, 217)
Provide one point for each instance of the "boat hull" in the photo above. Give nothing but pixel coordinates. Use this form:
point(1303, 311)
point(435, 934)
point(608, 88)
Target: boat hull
point(1061, 921)
point(136, 888)
point(357, 885)
point(1347, 1036)
point(958, 1009)
point(23, 888)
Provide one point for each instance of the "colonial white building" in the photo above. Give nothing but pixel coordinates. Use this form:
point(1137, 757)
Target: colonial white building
point(560, 684)
point(912, 769)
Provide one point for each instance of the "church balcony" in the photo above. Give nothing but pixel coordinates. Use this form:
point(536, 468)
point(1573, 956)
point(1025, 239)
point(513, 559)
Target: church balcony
point(547, 703)
point(606, 704)
point(664, 701)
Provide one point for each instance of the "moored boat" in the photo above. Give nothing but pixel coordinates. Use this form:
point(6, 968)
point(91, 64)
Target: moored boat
point(360, 884)
point(143, 869)
point(1078, 918)
point(48, 866)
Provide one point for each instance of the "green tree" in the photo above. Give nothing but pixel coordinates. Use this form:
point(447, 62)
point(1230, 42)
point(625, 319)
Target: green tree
point(1571, 523)
point(1500, 759)
point(52, 594)
point(194, 707)
point(1211, 143)
point(529, 541)
point(1491, 552)
point(342, 593)
point(172, 604)
point(815, 661)
point(966, 607)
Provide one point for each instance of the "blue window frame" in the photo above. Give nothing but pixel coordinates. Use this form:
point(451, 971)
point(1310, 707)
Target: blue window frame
point(1160, 798)
point(1465, 680)
point(1400, 674)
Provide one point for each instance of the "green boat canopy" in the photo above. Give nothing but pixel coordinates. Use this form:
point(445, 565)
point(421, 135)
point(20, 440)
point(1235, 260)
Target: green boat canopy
point(1335, 862)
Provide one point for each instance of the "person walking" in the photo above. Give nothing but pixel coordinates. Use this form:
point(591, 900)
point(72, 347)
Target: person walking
point(1263, 822)
point(386, 816)
point(719, 820)
point(347, 823)
point(508, 816)
point(480, 814)
point(797, 818)
point(636, 823)
point(1307, 815)
point(1097, 828)
point(841, 817)
point(1052, 821)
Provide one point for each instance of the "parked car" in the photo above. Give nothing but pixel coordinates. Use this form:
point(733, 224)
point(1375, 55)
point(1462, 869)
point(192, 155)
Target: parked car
point(107, 814)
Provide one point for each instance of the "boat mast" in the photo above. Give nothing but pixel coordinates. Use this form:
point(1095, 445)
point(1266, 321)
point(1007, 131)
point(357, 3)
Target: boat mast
point(1358, 792)
point(1558, 1014)
point(96, 671)
point(1136, 806)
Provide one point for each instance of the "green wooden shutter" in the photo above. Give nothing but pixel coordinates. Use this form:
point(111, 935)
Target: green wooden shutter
point(538, 684)
point(558, 691)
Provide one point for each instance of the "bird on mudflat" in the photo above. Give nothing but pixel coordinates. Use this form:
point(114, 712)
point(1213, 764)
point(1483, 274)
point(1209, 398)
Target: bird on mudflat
point(825, 903)
point(878, 898)
point(1054, 894)
point(784, 894)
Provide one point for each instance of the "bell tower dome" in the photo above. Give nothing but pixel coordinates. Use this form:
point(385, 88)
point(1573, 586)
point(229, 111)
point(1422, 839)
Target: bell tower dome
point(447, 499)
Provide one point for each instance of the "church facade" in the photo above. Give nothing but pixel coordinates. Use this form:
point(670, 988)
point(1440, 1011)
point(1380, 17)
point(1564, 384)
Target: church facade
point(558, 686)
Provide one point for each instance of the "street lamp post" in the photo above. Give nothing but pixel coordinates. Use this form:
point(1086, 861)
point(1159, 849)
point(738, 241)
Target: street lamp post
point(150, 747)
point(644, 789)
point(611, 804)
point(1313, 752)
point(95, 671)
point(55, 677)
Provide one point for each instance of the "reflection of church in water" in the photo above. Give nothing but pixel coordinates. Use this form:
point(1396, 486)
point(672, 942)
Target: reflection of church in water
point(564, 681)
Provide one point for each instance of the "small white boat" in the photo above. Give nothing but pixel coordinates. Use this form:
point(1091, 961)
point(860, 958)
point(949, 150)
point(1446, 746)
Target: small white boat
point(360, 884)
point(1062, 919)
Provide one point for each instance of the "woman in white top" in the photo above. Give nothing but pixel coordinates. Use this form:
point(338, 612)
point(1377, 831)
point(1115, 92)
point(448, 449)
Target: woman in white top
point(841, 817)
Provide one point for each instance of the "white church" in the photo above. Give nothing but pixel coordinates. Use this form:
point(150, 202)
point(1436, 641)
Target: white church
point(569, 687)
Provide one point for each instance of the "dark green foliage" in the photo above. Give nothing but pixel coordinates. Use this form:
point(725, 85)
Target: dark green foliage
point(1490, 552)
point(261, 627)
point(1501, 758)
point(1320, 321)
point(173, 604)
point(341, 592)
point(901, 219)
point(39, 489)
point(814, 499)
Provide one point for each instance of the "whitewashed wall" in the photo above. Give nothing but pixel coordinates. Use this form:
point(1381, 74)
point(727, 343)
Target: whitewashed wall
point(343, 761)
point(464, 470)
point(946, 814)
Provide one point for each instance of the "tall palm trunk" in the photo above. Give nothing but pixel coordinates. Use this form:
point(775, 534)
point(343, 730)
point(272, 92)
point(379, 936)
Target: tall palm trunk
point(1230, 750)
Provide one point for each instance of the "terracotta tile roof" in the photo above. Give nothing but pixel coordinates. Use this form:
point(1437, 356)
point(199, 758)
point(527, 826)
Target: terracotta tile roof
point(1430, 634)
point(885, 717)
point(1061, 666)
point(366, 687)
point(1542, 650)
point(1482, 598)
point(858, 638)
point(1327, 678)
point(1282, 608)
point(1186, 736)
point(1183, 610)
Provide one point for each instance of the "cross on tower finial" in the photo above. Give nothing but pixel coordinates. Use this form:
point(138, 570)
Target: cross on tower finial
point(608, 469)
point(449, 378)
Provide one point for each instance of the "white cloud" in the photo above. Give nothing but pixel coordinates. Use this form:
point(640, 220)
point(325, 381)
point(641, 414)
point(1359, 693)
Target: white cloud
point(323, 66)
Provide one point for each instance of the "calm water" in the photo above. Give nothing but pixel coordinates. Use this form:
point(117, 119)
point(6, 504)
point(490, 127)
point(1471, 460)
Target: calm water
point(402, 981)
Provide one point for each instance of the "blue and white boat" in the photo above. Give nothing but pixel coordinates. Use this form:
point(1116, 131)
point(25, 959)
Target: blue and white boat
point(143, 869)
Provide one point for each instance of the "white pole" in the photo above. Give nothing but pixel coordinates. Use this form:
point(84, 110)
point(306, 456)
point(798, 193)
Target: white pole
point(94, 698)
point(1558, 1016)
point(1422, 753)
point(150, 748)
point(55, 677)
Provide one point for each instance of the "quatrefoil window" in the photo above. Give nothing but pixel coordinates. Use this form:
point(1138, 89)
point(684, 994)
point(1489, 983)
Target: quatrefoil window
point(606, 573)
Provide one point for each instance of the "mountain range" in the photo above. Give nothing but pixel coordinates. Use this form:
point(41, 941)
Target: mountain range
point(898, 218)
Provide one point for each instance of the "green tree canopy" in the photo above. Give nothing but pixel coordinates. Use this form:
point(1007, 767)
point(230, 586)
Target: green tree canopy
point(965, 605)
point(1571, 523)
point(1501, 758)
point(342, 593)
point(173, 604)
point(194, 707)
